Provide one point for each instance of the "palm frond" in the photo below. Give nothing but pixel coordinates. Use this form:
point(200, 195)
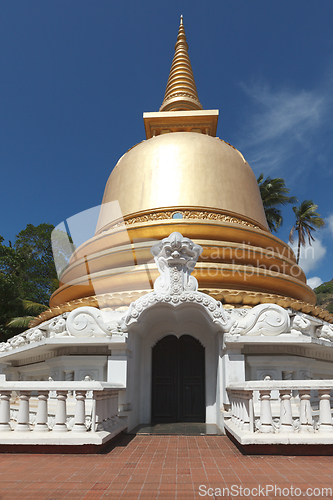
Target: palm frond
point(33, 307)
point(20, 322)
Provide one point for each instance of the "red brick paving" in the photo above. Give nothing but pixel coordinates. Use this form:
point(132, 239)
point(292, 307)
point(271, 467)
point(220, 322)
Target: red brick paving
point(162, 468)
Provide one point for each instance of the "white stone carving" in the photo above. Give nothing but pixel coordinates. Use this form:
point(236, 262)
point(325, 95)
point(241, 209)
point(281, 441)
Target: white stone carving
point(57, 327)
point(264, 319)
point(325, 332)
point(176, 257)
point(88, 321)
point(213, 308)
point(300, 324)
point(34, 335)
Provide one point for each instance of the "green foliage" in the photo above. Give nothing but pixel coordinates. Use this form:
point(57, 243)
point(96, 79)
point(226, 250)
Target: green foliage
point(27, 277)
point(325, 288)
point(324, 293)
point(274, 194)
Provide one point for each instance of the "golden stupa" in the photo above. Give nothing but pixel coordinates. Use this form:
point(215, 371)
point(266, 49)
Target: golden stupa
point(183, 178)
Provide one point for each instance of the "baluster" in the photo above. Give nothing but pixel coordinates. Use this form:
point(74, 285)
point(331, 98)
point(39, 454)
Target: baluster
point(238, 406)
point(60, 417)
point(251, 411)
point(23, 413)
point(241, 404)
point(80, 412)
point(42, 416)
point(305, 411)
point(233, 407)
point(5, 411)
point(246, 426)
point(286, 419)
point(240, 410)
point(325, 416)
point(104, 406)
point(93, 412)
point(266, 421)
point(99, 415)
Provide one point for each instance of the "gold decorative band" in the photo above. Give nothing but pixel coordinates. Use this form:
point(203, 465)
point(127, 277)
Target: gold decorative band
point(186, 215)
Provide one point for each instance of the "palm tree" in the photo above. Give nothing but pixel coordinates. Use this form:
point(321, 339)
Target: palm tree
point(307, 220)
point(274, 194)
point(32, 308)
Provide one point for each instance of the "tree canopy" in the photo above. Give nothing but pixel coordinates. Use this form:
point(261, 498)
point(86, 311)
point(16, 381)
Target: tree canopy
point(27, 276)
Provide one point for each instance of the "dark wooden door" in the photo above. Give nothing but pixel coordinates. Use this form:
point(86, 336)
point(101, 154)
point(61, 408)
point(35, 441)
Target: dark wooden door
point(178, 380)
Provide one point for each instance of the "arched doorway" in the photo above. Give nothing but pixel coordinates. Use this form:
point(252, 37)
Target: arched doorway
point(178, 380)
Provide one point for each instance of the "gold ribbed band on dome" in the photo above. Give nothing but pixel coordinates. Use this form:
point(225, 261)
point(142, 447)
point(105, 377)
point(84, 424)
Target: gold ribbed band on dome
point(181, 91)
point(185, 214)
point(235, 256)
point(229, 298)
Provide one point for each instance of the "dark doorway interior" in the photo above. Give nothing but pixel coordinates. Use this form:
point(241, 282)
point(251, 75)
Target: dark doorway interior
point(178, 380)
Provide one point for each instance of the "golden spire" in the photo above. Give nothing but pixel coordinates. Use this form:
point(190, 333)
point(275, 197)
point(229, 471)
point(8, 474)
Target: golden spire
point(181, 91)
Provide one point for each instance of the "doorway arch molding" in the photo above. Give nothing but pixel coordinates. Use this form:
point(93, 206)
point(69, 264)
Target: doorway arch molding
point(157, 322)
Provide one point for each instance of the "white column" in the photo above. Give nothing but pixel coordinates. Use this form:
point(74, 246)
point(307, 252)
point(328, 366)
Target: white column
point(23, 413)
point(60, 417)
point(41, 417)
point(286, 419)
point(5, 411)
point(305, 411)
point(80, 412)
point(325, 416)
point(266, 421)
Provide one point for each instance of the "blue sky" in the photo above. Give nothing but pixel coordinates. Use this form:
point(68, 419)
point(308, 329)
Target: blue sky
point(76, 76)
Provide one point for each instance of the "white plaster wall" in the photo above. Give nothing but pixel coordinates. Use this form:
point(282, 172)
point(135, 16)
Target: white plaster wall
point(79, 366)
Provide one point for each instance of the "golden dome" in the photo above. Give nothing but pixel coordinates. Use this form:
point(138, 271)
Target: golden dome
point(183, 169)
point(183, 179)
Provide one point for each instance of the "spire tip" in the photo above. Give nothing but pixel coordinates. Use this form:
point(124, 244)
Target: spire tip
point(181, 92)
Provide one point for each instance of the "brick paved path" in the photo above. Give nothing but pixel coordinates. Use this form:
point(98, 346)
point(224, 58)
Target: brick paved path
point(160, 467)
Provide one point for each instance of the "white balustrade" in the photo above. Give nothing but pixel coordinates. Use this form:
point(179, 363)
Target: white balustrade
point(242, 409)
point(292, 415)
point(102, 398)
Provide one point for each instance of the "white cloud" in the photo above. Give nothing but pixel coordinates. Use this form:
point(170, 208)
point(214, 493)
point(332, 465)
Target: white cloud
point(284, 126)
point(314, 282)
point(310, 255)
point(329, 223)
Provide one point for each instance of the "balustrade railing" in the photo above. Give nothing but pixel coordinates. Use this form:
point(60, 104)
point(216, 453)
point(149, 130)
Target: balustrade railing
point(295, 411)
point(57, 407)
